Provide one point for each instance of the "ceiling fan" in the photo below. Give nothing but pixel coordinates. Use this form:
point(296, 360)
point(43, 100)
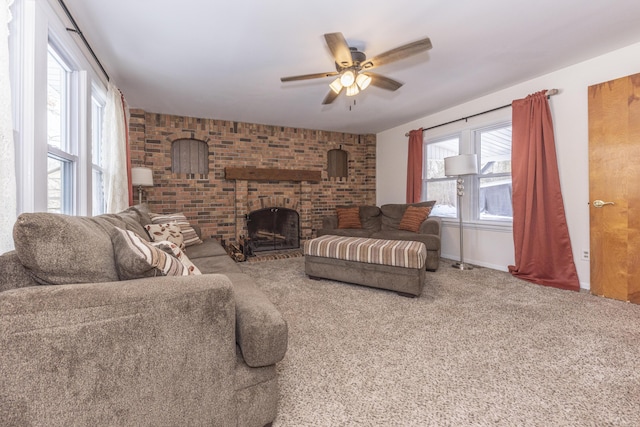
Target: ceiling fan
point(352, 67)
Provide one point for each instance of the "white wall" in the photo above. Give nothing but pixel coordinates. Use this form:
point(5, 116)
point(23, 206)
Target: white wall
point(493, 248)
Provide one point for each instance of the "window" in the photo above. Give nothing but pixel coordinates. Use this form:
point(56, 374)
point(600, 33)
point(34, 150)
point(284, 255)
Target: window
point(58, 98)
point(61, 160)
point(98, 204)
point(493, 146)
point(435, 185)
point(487, 195)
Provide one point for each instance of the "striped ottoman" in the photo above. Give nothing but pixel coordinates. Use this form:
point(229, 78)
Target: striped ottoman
point(396, 265)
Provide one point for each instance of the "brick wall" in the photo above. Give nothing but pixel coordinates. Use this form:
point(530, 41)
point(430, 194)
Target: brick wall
point(218, 205)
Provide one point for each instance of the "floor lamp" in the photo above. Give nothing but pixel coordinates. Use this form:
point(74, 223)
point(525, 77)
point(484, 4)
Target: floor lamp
point(464, 164)
point(141, 177)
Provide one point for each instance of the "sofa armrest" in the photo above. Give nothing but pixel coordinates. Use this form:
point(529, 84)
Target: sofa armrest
point(153, 351)
point(261, 331)
point(432, 225)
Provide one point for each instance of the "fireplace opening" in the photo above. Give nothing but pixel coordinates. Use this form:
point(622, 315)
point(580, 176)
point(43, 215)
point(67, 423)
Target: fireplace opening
point(272, 229)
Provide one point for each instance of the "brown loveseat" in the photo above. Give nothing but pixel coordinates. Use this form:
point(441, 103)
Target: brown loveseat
point(384, 223)
point(80, 346)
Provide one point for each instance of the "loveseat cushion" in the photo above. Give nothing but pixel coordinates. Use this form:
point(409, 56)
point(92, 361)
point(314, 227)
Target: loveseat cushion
point(60, 249)
point(392, 213)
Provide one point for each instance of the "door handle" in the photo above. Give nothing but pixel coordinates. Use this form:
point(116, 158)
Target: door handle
point(600, 203)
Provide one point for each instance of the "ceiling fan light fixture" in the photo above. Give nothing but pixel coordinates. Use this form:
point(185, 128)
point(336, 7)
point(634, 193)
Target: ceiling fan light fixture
point(353, 90)
point(348, 78)
point(336, 86)
point(363, 81)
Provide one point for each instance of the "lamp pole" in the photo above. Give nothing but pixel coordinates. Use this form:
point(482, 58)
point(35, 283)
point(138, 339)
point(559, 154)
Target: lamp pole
point(460, 165)
point(461, 265)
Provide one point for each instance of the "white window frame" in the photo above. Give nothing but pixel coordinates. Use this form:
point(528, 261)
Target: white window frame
point(466, 128)
point(98, 102)
point(67, 152)
point(37, 24)
point(426, 180)
point(477, 131)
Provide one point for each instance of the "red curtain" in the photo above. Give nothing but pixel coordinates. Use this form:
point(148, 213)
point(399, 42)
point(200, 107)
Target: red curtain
point(541, 238)
point(414, 167)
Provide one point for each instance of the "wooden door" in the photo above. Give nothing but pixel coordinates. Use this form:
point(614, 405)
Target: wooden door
point(614, 176)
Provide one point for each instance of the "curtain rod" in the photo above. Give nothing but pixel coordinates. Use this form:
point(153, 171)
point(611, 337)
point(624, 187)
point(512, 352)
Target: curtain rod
point(550, 92)
point(76, 30)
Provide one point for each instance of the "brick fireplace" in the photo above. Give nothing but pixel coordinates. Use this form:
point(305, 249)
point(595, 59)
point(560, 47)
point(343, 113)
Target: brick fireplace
point(219, 205)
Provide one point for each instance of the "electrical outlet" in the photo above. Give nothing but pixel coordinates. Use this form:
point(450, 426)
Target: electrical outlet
point(585, 255)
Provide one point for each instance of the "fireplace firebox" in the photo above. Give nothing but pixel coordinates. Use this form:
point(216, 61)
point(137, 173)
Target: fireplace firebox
point(272, 229)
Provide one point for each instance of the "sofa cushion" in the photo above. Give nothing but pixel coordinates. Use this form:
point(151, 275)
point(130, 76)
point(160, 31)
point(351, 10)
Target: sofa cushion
point(143, 213)
point(60, 249)
point(220, 264)
point(134, 221)
point(136, 258)
point(209, 247)
point(370, 217)
point(14, 275)
point(189, 234)
point(349, 217)
point(392, 213)
point(166, 232)
point(413, 217)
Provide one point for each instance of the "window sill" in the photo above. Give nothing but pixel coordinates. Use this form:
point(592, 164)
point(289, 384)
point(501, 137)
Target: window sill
point(498, 226)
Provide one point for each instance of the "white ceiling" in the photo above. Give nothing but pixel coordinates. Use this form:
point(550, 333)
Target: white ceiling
point(224, 60)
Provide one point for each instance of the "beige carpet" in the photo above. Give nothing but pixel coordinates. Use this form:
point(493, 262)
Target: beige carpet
point(477, 348)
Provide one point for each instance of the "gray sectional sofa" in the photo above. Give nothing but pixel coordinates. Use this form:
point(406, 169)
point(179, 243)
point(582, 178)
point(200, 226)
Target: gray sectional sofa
point(384, 223)
point(79, 346)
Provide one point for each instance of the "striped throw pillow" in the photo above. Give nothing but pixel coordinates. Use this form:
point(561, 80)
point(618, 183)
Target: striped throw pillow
point(172, 248)
point(349, 217)
point(188, 233)
point(413, 217)
point(136, 258)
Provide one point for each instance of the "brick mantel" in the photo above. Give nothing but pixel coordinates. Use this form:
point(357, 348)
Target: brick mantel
point(272, 174)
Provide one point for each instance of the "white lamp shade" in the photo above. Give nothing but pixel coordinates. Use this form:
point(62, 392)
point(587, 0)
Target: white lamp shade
point(142, 177)
point(363, 81)
point(464, 164)
point(336, 86)
point(347, 78)
point(353, 90)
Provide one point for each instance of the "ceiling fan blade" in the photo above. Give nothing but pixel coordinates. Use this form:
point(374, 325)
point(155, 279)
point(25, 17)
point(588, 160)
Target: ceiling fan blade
point(398, 53)
point(384, 82)
point(309, 76)
point(339, 49)
point(331, 96)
